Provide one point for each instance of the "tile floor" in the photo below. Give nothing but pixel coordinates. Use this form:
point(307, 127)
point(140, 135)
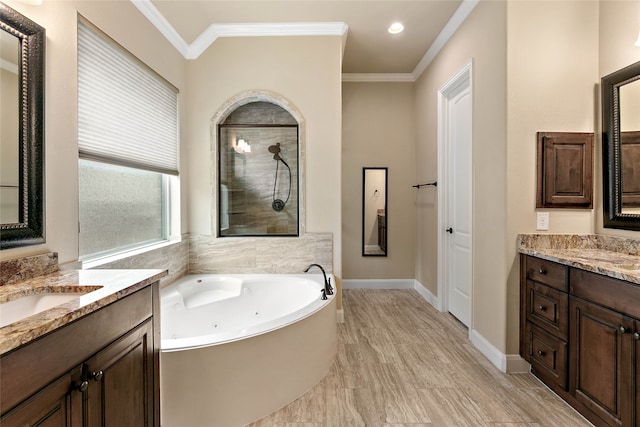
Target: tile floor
point(401, 363)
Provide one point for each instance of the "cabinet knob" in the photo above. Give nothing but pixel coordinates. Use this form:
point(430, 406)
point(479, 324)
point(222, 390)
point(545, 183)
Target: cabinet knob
point(449, 230)
point(97, 376)
point(542, 271)
point(636, 335)
point(542, 308)
point(541, 353)
point(82, 387)
point(623, 330)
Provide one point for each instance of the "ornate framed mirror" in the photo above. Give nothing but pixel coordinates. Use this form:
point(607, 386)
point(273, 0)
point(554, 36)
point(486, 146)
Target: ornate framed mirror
point(621, 148)
point(22, 139)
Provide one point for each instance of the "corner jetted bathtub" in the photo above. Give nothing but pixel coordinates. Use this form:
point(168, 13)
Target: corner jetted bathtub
point(237, 347)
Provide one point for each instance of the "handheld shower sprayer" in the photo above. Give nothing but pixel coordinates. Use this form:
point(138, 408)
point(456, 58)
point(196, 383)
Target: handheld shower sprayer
point(279, 204)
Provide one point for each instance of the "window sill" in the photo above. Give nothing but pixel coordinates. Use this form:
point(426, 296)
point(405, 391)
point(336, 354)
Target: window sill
point(97, 262)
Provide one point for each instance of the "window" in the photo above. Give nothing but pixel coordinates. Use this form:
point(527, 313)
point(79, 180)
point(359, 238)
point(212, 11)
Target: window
point(128, 148)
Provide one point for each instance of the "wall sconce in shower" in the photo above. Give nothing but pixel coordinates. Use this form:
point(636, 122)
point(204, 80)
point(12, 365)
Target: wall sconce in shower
point(241, 146)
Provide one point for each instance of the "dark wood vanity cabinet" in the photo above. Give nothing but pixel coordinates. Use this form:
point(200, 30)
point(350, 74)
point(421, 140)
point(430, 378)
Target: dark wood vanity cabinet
point(100, 370)
point(601, 361)
point(544, 329)
point(582, 338)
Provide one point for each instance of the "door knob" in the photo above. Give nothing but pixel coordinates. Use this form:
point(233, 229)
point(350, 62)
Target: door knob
point(449, 230)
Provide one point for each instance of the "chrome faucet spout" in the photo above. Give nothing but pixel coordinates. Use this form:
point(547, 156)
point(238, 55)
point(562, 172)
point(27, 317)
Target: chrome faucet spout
point(328, 289)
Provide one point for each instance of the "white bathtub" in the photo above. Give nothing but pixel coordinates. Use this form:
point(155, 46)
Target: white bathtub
point(238, 347)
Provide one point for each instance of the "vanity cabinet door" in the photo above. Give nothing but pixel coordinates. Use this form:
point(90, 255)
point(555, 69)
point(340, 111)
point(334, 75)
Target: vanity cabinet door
point(601, 347)
point(636, 361)
point(121, 381)
point(57, 405)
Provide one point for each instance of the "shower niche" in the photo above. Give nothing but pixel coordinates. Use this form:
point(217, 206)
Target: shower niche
point(258, 172)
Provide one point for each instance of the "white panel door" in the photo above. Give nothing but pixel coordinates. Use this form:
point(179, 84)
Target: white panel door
point(459, 109)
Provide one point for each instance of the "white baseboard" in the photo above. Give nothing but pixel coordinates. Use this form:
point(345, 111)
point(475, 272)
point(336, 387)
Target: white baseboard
point(507, 363)
point(377, 283)
point(427, 295)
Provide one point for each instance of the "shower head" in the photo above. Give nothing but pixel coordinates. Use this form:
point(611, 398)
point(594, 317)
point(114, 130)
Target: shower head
point(275, 149)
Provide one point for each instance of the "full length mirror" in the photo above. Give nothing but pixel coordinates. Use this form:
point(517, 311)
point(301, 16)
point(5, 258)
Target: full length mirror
point(374, 211)
point(21, 136)
point(621, 148)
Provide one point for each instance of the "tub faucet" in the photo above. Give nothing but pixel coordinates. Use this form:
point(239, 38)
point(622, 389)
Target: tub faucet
point(328, 289)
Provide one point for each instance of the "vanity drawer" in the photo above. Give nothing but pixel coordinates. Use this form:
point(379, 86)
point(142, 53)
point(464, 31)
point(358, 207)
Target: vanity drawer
point(547, 355)
point(615, 294)
point(548, 272)
point(548, 308)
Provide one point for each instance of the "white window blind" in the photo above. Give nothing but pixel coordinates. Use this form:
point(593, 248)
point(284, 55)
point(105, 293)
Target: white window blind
point(127, 114)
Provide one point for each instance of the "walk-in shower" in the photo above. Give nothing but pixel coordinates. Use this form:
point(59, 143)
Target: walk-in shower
point(253, 200)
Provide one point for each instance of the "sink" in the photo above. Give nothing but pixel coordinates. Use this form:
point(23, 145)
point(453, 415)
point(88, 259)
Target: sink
point(28, 305)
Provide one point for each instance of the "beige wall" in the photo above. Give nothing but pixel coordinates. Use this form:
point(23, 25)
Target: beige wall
point(552, 77)
point(481, 38)
point(378, 130)
point(124, 23)
point(303, 70)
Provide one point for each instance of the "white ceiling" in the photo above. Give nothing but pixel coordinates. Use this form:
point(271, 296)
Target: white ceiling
point(369, 48)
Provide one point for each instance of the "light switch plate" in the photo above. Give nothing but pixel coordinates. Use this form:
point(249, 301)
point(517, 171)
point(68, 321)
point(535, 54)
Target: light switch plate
point(542, 221)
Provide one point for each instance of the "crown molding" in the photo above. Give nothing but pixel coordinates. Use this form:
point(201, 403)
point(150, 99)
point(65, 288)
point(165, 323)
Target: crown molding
point(282, 29)
point(449, 29)
point(160, 22)
point(378, 77)
point(215, 31)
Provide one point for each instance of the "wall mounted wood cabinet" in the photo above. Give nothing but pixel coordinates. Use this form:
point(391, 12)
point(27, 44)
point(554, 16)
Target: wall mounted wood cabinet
point(581, 333)
point(565, 170)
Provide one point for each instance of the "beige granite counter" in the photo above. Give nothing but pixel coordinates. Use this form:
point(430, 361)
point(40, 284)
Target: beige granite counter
point(607, 255)
point(95, 288)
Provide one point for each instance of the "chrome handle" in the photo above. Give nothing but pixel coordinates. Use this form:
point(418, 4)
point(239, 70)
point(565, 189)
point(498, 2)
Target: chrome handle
point(623, 330)
point(82, 387)
point(542, 308)
point(542, 271)
point(97, 376)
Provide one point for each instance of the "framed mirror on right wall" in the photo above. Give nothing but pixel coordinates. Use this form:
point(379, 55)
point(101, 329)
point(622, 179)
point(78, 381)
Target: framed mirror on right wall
point(621, 148)
point(374, 211)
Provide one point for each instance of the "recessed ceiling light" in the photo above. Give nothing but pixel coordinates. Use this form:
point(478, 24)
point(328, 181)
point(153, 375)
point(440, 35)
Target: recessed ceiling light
point(396, 28)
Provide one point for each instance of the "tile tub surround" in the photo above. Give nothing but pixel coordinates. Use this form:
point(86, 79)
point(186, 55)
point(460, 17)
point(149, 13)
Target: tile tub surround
point(611, 256)
point(17, 270)
point(103, 286)
point(173, 257)
point(270, 255)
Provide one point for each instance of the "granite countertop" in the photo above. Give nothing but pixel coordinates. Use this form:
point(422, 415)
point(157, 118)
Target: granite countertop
point(95, 288)
point(610, 256)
